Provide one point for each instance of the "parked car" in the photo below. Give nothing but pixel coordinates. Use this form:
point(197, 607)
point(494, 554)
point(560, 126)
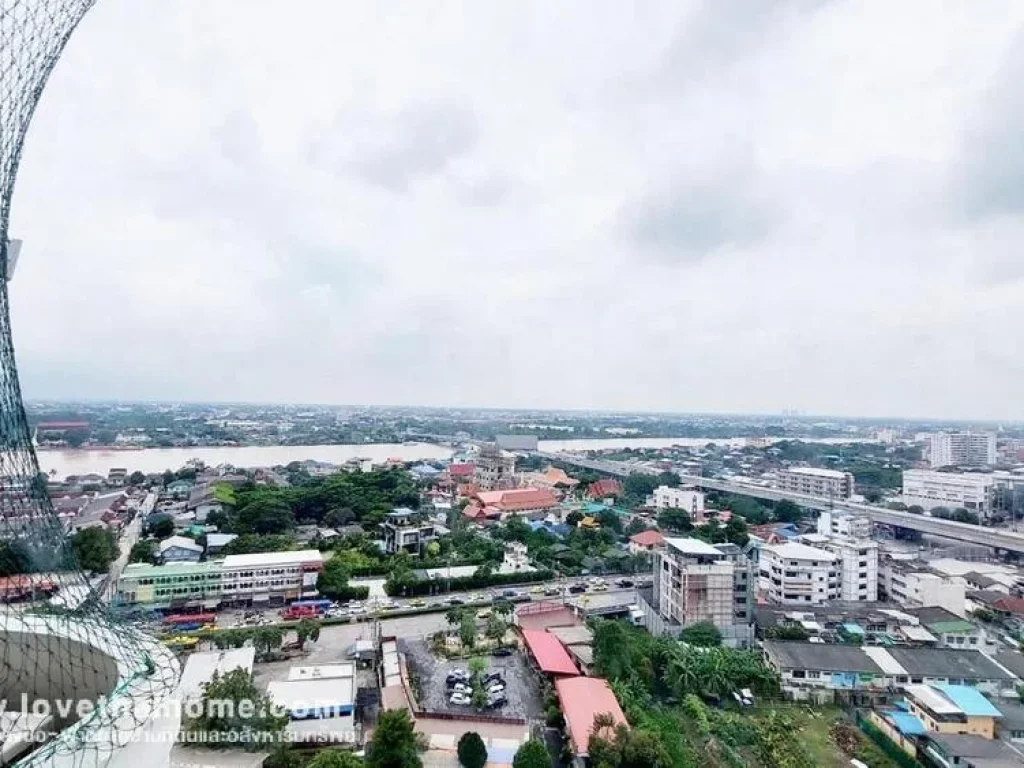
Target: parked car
point(577, 588)
point(495, 689)
point(493, 677)
point(552, 591)
point(624, 583)
point(458, 676)
point(456, 601)
point(501, 652)
point(463, 688)
point(494, 702)
point(462, 699)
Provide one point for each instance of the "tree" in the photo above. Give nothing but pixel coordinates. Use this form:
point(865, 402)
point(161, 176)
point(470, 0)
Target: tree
point(503, 607)
point(573, 518)
point(143, 551)
point(472, 751)
point(265, 515)
point(496, 628)
point(736, 531)
point(532, 754)
point(95, 547)
point(676, 520)
point(267, 639)
point(253, 725)
point(477, 667)
point(467, 629)
point(915, 509)
point(218, 518)
point(703, 634)
point(454, 617)
point(394, 743)
point(14, 558)
point(307, 629)
point(788, 512)
point(335, 758)
point(136, 478)
point(160, 526)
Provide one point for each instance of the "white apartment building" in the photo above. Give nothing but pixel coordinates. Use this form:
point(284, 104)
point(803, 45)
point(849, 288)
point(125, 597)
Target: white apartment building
point(839, 524)
point(857, 564)
point(929, 489)
point(697, 582)
point(922, 589)
point(812, 481)
point(962, 449)
point(796, 574)
point(690, 499)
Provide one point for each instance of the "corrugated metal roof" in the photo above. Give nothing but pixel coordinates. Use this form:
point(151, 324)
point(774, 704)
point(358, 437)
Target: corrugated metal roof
point(582, 699)
point(971, 701)
point(550, 654)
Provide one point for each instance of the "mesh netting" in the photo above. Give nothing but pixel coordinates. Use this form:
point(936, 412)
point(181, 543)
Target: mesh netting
point(65, 654)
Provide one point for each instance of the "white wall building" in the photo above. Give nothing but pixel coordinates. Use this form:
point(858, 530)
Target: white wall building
point(796, 574)
point(929, 489)
point(838, 524)
point(858, 568)
point(922, 589)
point(690, 499)
point(812, 481)
point(962, 449)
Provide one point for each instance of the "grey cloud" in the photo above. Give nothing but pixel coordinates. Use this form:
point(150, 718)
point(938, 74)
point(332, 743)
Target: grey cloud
point(990, 177)
point(419, 141)
point(692, 219)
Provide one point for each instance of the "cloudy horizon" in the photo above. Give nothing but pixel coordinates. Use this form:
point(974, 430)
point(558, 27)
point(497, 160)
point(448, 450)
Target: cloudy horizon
point(683, 207)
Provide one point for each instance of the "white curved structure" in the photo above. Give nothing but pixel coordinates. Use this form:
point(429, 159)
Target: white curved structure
point(67, 663)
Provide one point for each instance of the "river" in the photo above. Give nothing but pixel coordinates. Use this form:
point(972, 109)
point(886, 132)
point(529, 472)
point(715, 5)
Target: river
point(81, 462)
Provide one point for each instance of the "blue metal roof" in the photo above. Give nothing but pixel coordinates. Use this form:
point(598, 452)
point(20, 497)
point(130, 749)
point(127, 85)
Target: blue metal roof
point(854, 629)
point(971, 701)
point(906, 723)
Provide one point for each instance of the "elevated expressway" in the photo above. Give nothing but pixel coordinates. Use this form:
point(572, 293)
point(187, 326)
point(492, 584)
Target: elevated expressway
point(995, 538)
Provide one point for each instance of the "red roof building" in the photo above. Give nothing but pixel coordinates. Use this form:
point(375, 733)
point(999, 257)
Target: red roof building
point(604, 489)
point(646, 541)
point(518, 501)
point(460, 471)
point(549, 653)
point(583, 699)
point(1008, 604)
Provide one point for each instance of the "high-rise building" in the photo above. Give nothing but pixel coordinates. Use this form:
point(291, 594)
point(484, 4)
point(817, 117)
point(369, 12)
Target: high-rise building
point(698, 582)
point(962, 449)
point(812, 481)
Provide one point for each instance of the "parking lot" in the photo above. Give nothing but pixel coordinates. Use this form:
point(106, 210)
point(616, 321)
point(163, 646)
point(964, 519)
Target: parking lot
point(522, 688)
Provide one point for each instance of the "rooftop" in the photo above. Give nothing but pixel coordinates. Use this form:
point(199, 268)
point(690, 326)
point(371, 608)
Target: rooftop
point(793, 551)
point(549, 653)
point(688, 546)
point(818, 472)
point(947, 663)
point(582, 699)
point(647, 538)
point(970, 701)
point(181, 542)
point(273, 558)
point(825, 658)
point(144, 571)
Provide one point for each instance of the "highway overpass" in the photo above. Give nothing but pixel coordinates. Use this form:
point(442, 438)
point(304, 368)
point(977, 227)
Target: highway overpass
point(972, 534)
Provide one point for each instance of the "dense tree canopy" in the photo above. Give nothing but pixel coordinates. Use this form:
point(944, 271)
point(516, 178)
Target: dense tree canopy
point(532, 754)
point(472, 751)
point(95, 547)
point(394, 743)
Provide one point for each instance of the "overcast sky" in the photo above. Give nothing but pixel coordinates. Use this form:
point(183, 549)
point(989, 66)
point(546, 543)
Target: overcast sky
point(728, 206)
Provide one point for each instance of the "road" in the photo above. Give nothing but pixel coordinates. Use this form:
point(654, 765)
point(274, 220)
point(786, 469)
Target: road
point(129, 536)
point(477, 599)
point(995, 538)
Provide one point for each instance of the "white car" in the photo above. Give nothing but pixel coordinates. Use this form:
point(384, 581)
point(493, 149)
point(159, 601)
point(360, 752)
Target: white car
point(495, 688)
point(463, 699)
point(462, 688)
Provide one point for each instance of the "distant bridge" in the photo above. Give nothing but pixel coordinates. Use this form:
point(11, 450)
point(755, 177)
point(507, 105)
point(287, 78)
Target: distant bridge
point(950, 529)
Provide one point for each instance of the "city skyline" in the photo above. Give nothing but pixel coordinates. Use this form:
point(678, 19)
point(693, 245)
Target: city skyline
point(697, 209)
